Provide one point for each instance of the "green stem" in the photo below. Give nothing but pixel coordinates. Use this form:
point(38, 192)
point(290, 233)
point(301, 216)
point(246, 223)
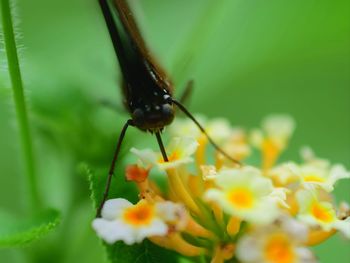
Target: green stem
point(20, 105)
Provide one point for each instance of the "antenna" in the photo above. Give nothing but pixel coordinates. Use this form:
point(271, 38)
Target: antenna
point(189, 115)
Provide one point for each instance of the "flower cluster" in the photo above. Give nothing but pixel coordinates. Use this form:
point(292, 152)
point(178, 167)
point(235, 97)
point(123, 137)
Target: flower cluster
point(264, 213)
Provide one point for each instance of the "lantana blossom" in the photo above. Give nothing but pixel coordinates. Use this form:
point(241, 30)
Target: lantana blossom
point(179, 152)
point(320, 174)
point(245, 193)
point(284, 174)
point(319, 213)
point(218, 210)
point(277, 243)
point(121, 220)
point(219, 129)
point(273, 137)
point(276, 129)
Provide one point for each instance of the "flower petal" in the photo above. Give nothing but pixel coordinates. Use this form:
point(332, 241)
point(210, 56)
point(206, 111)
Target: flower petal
point(112, 231)
point(114, 207)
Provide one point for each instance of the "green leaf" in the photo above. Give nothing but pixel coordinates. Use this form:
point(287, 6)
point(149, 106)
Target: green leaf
point(119, 187)
point(146, 252)
point(16, 231)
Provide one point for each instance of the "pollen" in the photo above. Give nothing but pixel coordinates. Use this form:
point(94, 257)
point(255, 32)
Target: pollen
point(139, 215)
point(241, 198)
point(321, 213)
point(279, 249)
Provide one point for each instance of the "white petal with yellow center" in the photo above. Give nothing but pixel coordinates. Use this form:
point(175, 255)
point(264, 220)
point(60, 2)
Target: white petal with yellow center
point(219, 129)
point(245, 193)
point(179, 153)
point(284, 174)
point(320, 174)
point(278, 128)
point(130, 223)
point(275, 244)
point(113, 208)
point(318, 213)
point(186, 127)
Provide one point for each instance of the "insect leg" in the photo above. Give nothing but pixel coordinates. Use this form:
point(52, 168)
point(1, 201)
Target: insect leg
point(189, 115)
point(111, 169)
point(186, 94)
point(161, 146)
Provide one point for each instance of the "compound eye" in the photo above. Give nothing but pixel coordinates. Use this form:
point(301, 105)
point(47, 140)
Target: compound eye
point(167, 113)
point(167, 109)
point(138, 116)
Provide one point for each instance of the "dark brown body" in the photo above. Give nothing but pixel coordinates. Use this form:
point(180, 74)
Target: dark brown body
point(146, 88)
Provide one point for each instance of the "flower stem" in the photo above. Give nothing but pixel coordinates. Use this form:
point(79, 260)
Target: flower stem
point(20, 105)
point(180, 190)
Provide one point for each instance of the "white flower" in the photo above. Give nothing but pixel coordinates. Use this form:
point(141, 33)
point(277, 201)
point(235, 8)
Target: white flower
point(276, 244)
point(318, 213)
point(320, 174)
point(245, 193)
point(186, 127)
point(179, 152)
point(175, 215)
point(236, 144)
point(121, 220)
point(276, 129)
point(257, 138)
point(279, 196)
point(316, 172)
point(219, 129)
point(279, 128)
point(284, 174)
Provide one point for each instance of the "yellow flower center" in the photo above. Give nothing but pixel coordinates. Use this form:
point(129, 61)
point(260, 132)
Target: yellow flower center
point(322, 213)
point(140, 214)
point(279, 249)
point(241, 198)
point(313, 178)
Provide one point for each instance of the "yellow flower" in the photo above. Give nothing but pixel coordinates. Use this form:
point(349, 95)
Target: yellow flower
point(121, 220)
point(320, 174)
point(219, 129)
point(179, 152)
point(266, 215)
point(236, 145)
point(186, 127)
point(245, 193)
point(283, 175)
point(273, 138)
point(280, 243)
point(275, 128)
point(319, 213)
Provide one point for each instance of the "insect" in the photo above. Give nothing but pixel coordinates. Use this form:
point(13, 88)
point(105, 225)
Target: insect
point(147, 90)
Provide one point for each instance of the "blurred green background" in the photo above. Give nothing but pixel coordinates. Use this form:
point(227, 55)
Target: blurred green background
point(249, 58)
